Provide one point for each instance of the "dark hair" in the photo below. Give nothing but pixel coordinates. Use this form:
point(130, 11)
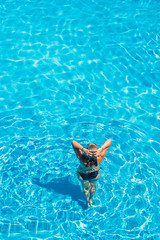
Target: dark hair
point(92, 161)
point(92, 146)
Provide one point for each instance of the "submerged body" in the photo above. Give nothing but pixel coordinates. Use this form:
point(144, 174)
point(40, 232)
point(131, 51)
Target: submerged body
point(88, 171)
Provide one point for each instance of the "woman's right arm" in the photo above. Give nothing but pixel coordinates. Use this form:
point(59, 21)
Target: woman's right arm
point(103, 150)
point(106, 146)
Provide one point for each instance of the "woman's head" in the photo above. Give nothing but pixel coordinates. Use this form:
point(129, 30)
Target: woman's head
point(92, 160)
point(92, 147)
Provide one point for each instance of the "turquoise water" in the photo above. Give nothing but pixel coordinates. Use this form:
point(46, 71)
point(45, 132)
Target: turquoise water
point(88, 71)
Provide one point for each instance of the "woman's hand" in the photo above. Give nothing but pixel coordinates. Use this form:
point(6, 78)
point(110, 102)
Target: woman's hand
point(86, 151)
point(89, 153)
point(99, 152)
point(92, 153)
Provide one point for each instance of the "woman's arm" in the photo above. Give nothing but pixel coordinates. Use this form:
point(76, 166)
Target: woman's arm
point(105, 146)
point(78, 148)
point(77, 145)
point(101, 153)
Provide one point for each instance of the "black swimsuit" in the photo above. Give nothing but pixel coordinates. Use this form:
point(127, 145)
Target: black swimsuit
point(88, 176)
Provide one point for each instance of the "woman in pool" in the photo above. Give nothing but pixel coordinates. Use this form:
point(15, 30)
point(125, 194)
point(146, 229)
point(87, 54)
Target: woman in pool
point(89, 171)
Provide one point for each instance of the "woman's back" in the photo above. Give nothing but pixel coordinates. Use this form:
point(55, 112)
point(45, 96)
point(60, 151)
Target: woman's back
point(86, 168)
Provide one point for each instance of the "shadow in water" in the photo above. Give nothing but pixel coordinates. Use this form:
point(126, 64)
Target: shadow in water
point(65, 187)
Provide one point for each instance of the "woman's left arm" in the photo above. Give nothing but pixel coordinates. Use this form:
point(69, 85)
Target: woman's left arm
point(78, 148)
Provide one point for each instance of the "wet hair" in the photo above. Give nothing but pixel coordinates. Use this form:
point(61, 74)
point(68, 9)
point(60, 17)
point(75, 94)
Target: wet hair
point(92, 147)
point(92, 161)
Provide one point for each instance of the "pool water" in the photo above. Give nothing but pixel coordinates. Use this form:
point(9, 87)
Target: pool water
point(88, 71)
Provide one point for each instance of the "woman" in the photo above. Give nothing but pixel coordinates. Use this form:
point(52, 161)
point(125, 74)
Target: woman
point(89, 170)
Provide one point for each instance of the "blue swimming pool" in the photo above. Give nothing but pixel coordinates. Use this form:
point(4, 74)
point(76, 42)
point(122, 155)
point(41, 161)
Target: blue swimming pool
point(83, 70)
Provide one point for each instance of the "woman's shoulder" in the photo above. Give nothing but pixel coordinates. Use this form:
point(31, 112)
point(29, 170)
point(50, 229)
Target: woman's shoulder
point(99, 159)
